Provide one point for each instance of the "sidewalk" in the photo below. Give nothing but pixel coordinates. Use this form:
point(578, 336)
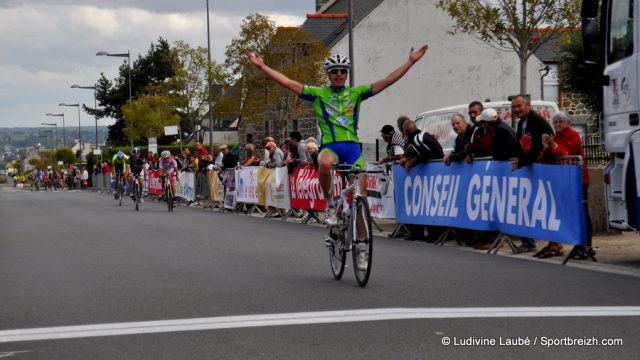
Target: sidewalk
point(615, 252)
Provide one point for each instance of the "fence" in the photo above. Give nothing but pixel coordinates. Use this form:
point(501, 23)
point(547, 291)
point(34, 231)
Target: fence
point(596, 156)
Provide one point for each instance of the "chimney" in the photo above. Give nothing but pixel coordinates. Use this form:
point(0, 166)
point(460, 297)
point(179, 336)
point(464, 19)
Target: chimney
point(320, 4)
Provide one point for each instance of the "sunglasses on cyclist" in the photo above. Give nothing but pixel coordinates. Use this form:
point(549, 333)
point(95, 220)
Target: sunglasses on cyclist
point(339, 71)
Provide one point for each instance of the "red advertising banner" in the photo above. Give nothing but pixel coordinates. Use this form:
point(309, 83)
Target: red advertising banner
point(305, 189)
point(155, 187)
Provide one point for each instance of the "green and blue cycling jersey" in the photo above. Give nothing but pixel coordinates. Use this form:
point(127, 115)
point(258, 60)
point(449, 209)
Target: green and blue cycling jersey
point(338, 111)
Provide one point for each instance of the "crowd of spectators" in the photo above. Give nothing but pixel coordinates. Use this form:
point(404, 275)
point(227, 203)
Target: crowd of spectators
point(486, 135)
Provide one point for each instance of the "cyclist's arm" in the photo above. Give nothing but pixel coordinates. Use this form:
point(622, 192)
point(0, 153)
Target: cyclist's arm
point(275, 75)
point(398, 73)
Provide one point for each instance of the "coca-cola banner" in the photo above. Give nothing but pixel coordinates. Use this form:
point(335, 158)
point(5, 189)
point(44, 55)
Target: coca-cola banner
point(305, 189)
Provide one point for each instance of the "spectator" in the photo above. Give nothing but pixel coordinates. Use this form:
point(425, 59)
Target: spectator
point(252, 157)
point(203, 162)
point(422, 148)
point(462, 128)
point(311, 139)
point(210, 163)
point(97, 169)
point(228, 160)
point(313, 150)
point(285, 150)
point(266, 140)
point(478, 141)
point(400, 122)
point(395, 144)
point(499, 140)
point(84, 177)
point(276, 155)
point(151, 160)
point(218, 156)
point(200, 149)
point(298, 148)
point(530, 129)
point(186, 159)
point(567, 141)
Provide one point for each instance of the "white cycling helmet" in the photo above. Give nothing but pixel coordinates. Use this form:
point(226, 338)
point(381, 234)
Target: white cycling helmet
point(165, 154)
point(337, 61)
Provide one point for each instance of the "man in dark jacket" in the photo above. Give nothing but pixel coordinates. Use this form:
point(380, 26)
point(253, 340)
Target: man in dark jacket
point(504, 145)
point(422, 148)
point(530, 129)
point(463, 129)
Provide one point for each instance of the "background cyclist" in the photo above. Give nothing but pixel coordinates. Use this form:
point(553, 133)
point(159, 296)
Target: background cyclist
point(137, 164)
point(337, 109)
point(119, 166)
point(168, 168)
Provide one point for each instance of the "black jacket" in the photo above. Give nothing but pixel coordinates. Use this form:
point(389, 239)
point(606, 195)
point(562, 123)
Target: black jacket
point(424, 147)
point(536, 126)
point(459, 149)
point(504, 145)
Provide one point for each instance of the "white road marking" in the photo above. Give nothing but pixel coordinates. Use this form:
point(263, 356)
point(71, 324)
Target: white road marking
point(305, 318)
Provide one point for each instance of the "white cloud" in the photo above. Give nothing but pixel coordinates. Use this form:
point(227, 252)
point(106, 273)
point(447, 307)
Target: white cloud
point(48, 45)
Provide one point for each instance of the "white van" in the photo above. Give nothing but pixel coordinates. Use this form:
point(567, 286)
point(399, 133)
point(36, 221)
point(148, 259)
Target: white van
point(438, 122)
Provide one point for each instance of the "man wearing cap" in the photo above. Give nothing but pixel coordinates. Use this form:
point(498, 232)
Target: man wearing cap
point(228, 160)
point(276, 156)
point(504, 145)
point(395, 144)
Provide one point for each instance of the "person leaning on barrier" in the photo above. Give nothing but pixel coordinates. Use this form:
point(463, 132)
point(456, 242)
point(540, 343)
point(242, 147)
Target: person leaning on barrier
point(228, 161)
point(462, 128)
point(530, 129)
point(298, 146)
point(252, 158)
point(395, 144)
point(276, 156)
point(422, 148)
point(499, 141)
point(566, 142)
point(314, 151)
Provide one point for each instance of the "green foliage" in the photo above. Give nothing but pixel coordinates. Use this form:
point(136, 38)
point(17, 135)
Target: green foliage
point(148, 115)
point(147, 71)
point(512, 25)
point(579, 76)
point(65, 155)
point(287, 50)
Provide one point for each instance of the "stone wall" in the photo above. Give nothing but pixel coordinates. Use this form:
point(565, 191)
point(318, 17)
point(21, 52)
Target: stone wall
point(573, 103)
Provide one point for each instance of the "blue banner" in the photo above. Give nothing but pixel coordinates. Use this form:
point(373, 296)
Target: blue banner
point(539, 201)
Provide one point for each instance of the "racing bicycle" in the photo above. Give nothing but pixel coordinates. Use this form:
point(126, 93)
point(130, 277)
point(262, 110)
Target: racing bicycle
point(168, 191)
point(352, 233)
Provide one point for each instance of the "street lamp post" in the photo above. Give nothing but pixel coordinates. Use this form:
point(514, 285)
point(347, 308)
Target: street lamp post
point(95, 105)
point(64, 137)
point(56, 136)
point(209, 82)
point(128, 56)
point(79, 134)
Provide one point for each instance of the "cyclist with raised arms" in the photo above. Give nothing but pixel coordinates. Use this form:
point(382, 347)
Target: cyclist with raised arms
point(337, 107)
point(168, 168)
point(137, 164)
point(119, 166)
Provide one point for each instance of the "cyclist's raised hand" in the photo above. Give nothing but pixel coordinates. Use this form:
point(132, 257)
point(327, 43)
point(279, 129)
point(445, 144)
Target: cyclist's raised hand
point(255, 59)
point(418, 54)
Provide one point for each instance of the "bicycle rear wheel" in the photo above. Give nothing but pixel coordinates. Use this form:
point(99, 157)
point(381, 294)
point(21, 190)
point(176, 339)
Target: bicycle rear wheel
point(136, 194)
point(362, 247)
point(120, 191)
point(336, 251)
point(169, 193)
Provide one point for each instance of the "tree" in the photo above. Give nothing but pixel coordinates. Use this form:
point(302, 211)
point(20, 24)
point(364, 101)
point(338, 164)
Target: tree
point(149, 114)
point(65, 155)
point(153, 69)
point(192, 82)
point(287, 50)
point(521, 26)
point(578, 75)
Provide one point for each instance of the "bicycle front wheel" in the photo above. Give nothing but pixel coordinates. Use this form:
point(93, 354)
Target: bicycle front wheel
point(169, 193)
point(363, 244)
point(336, 252)
point(137, 194)
point(120, 192)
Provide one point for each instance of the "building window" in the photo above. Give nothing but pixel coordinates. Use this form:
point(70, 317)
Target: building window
point(551, 84)
point(266, 128)
point(249, 139)
point(294, 125)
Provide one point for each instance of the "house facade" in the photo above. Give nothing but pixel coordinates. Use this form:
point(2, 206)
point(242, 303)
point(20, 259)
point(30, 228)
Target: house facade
point(456, 69)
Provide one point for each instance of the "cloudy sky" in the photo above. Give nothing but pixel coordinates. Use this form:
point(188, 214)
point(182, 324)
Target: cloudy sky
point(48, 45)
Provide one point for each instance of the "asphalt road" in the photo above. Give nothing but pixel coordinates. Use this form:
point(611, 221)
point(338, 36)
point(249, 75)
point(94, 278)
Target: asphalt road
point(77, 259)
